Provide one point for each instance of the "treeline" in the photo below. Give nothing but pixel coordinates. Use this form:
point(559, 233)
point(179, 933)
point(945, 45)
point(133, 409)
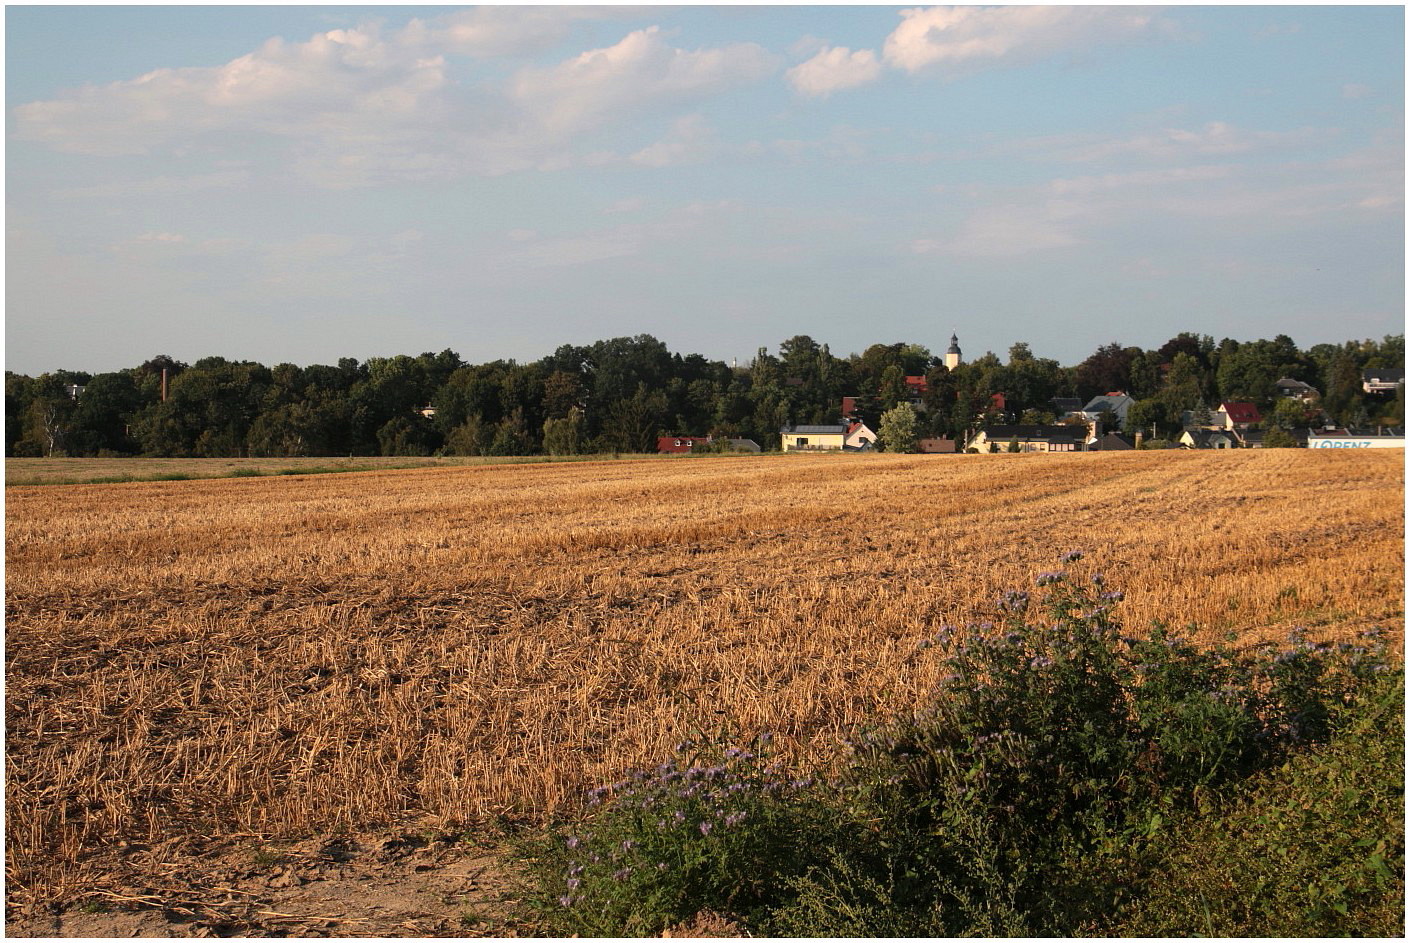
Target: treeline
point(618, 395)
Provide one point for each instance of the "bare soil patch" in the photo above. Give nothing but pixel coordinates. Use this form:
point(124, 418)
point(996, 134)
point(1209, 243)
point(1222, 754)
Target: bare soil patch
point(392, 885)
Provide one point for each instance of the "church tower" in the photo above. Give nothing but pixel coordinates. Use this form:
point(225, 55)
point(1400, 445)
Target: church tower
point(952, 356)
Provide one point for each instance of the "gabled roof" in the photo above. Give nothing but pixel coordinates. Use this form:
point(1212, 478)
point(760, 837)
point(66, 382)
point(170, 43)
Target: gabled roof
point(1241, 412)
point(1287, 383)
point(1201, 437)
point(917, 384)
point(1111, 401)
point(1066, 404)
point(1115, 441)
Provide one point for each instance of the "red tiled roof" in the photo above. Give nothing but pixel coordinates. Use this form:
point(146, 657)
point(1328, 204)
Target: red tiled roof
point(679, 443)
point(1241, 412)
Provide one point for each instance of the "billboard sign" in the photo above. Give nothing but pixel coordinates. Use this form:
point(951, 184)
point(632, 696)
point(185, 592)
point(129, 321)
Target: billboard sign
point(1356, 442)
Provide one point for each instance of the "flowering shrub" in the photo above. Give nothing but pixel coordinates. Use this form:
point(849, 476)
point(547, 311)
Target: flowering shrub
point(1024, 800)
point(717, 831)
point(1030, 797)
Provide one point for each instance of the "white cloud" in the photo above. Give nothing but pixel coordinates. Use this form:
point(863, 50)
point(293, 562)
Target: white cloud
point(956, 39)
point(356, 106)
point(158, 186)
point(689, 141)
point(641, 71)
point(1088, 186)
point(1008, 230)
point(1214, 139)
point(343, 83)
point(486, 31)
point(1354, 90)
point(833, 69)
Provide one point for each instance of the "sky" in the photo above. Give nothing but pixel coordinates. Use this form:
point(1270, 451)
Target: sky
point(301, 184)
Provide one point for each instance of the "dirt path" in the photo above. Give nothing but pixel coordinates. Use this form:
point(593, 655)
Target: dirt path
point(361, 886)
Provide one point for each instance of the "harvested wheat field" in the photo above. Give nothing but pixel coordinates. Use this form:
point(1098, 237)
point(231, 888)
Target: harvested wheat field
point(247, 662)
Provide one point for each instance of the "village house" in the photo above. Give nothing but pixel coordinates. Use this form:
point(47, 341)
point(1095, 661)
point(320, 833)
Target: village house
point(1296, 389)
point(940, 446)
point(1208, 439)
point(686, 444)
point(859, 437)
point(1112, 442)
point(1028, 438)
point(1231, 416)
point(916, 388)
point(849, 436)
point(680, 444)
point(1382, 381)
point(1109, 408)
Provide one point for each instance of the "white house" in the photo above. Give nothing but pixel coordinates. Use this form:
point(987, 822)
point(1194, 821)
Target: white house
point(859, 437)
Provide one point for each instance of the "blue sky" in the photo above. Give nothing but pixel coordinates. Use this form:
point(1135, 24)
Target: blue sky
point(306, 183)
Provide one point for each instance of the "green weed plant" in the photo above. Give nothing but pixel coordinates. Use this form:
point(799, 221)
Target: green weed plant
point(1047, 789)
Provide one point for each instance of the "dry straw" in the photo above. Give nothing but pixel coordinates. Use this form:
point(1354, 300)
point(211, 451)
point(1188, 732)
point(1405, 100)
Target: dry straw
point(275, 657)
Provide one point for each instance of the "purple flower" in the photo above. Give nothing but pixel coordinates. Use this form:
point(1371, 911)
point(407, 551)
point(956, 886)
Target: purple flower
point(1072, 556)
point(574, 841)
point(1014, 601)
point(679, 815)
point(1042, 661)
point(765, 738)
point(621, 874)
point(628, 845)
point(574, 884)
point(705, 827)
point(660, 866)
point(566, 900)
point(1051, 577)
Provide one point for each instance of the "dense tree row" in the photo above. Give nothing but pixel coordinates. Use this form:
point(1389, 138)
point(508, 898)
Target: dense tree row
point(617, 395)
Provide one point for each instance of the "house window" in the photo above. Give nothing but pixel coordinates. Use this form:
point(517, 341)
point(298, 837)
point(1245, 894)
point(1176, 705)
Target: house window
point(802, 441)
point(690, 443)
point(678, 443)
